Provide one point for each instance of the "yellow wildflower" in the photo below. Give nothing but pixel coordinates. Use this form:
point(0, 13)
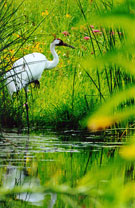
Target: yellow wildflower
point(12, 51)
point(13, 59)
point(18, 36)
point(45, 13)
point(37, 44)
point(59, 52)
point(68, 15)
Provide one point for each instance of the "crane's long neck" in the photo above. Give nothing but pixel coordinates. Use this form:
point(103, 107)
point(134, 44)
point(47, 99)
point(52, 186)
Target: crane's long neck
point(55, 61)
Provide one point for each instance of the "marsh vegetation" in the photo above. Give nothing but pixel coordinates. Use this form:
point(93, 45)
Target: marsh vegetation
point(92, 87)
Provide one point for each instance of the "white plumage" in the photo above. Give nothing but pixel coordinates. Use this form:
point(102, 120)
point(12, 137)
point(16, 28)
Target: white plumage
point(29, 68)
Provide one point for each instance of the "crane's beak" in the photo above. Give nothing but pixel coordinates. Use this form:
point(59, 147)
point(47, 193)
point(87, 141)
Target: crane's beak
point(67, 45)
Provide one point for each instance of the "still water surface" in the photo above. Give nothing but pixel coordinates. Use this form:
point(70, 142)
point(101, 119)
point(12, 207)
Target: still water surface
point(38, 158)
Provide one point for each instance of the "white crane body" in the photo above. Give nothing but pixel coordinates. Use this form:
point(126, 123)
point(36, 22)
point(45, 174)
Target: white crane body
point(24, 71)
point(29, 68)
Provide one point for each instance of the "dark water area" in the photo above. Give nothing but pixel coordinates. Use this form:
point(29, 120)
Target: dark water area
point(39, 158)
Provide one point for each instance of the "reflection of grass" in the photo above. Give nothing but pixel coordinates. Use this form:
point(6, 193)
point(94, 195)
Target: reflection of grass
point(107, 182)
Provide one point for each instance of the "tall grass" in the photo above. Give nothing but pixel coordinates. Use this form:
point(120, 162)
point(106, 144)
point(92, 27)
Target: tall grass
point(9, 45)
point(117, 63)
point(85, 77)
point(16, 32)
point(57, 108)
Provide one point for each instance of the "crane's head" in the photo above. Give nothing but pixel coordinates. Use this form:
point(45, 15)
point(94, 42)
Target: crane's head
point(59, 42)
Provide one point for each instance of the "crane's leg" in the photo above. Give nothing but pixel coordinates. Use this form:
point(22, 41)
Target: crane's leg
point(37, 83)
point(27, 109)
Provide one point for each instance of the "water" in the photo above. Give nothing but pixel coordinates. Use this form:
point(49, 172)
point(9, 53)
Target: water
point(38, 160)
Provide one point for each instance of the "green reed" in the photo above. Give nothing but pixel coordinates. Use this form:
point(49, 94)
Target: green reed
point(92, 71)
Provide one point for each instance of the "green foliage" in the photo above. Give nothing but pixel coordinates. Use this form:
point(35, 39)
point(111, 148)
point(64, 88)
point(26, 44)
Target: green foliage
point(119, 53)
point(85, 77)
point(99, 75)
point(56, 102)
